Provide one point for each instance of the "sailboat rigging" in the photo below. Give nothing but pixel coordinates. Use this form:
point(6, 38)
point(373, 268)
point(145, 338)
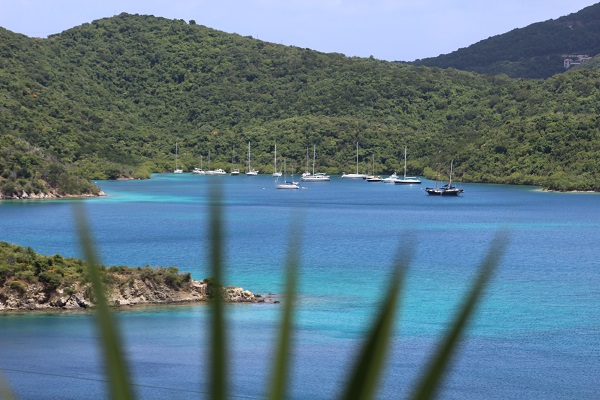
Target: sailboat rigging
point(177, 169)
point(407, 179)
point(444, 190)
point(356, 175)
point(250, 171)
point(315, 177)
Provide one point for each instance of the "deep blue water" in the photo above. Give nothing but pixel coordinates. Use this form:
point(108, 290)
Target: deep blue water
point(536, 335)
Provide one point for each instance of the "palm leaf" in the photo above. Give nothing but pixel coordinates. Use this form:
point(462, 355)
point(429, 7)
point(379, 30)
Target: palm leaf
point(114, 360)
point(367, 370)
point(279, 380)
point(432, 378)
point(218, 354)
point(5, 392)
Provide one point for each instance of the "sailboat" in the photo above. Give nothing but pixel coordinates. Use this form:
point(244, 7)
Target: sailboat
point(217, 171)
point(199, 171)
point(373, 178)
point(356, 175)
point(407, 179)
point(250, 171)
point(275, 172)
point(287, 184)
point(315, 177)
point(234, 171)
point(444, 190)
point(177, 169)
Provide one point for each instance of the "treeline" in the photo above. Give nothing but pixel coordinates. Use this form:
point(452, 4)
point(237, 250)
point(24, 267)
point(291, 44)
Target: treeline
point(535, 51)
point(111, 99)
point(22, 266)
point(26, 172)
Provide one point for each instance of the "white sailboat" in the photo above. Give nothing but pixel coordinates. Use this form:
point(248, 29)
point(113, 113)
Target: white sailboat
point(250, 171)
point(287, 184)
point(373, 178)
point(234, 171)
point(275, 172)
point(407, 180)
point(177, 169)
point(315, 177)
point(199, 171)
point(356, 175)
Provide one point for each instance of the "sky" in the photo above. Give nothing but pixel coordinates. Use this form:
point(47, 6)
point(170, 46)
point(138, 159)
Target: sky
point(393, 30)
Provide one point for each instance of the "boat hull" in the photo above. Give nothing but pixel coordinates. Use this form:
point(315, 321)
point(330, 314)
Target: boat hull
point(443, 192)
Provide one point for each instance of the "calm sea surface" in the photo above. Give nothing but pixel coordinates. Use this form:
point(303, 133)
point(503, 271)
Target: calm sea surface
point(536, 335)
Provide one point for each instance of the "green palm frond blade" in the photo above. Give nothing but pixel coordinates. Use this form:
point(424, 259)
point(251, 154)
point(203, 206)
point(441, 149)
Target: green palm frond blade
point(281, 364)
point(218, 340)
point(367, 371)
point(432, 378)
point(5, 392)
point(114, 359)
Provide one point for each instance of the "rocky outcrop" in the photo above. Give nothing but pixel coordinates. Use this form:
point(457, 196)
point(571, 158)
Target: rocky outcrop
point(52, 194)
point(125, 291)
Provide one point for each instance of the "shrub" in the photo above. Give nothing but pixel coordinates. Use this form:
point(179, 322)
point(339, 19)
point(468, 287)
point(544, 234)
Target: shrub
point(18, 286)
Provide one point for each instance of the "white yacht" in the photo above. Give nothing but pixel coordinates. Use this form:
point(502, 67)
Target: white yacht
point(275, 172)
point(315, 177)
point(250, 171)
point(356, 175)
point(177, 169)
point(407, 180)
point(287, 184)
point(390, 179)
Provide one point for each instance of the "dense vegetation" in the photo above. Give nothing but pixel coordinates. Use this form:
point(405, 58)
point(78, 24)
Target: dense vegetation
point(535, 51)
point(26, 171)
point(112, 98)
point(20, 267)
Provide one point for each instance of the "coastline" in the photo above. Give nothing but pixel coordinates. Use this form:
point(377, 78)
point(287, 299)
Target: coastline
point(125, 292)
point(50, 196)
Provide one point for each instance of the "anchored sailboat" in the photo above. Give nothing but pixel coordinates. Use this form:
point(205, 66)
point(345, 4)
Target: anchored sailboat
point(315, 177)
point(356, 175)
point(444, 190)
point(275, 172)
point(250, 171)
point(287, 184)
point(177, 169)
point(407, 179)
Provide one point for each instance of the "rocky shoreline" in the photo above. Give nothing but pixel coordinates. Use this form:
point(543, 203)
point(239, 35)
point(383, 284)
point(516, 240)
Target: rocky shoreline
point(47, 196)
point(126, 291)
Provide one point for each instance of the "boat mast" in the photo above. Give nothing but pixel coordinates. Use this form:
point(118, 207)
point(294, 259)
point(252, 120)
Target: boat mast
point(248, 156)
point(450, 181)
point(314, 156)
point(275, 162)
point(404, 162)
point(356, 158)
point(176, 155)
point(437, 176)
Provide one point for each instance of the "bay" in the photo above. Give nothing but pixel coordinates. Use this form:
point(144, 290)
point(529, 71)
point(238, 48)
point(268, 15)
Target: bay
point(535, 335)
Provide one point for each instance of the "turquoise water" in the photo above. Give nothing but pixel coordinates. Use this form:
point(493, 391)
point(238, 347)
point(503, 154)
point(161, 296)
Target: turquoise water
point(536, 335)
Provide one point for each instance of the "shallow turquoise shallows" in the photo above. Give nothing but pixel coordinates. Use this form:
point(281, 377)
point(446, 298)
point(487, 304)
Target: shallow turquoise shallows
point(536, 335)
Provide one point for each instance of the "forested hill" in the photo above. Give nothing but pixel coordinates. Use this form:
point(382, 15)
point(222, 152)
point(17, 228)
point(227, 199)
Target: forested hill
point(536, 51)
point(112, 98)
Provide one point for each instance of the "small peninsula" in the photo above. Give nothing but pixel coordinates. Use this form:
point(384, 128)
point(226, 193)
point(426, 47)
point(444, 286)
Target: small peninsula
point(30, 281)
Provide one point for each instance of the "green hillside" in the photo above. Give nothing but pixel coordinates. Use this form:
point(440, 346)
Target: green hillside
point(112, 98)
point(536, 51)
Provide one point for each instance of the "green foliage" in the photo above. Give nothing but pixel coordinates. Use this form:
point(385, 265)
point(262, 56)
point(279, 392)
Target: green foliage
point(535, 51)
point(20, 264)
point(108, 100)
point(24, 168)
